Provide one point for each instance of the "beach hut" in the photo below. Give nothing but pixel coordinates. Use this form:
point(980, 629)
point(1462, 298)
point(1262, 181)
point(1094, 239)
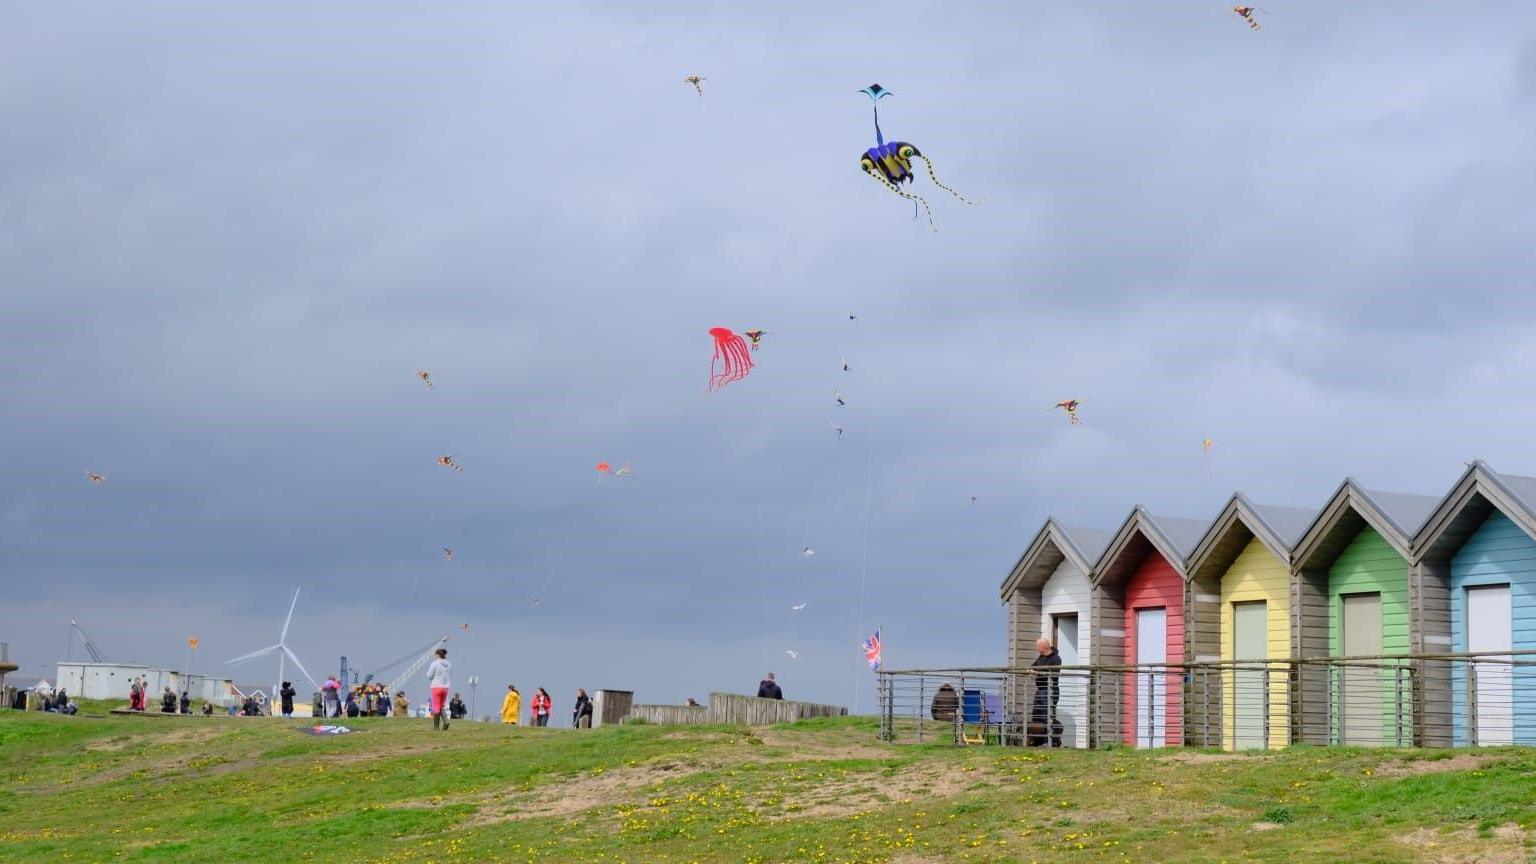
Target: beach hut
point(1239, 609)
point(1349, 598)
point(1138, 619)
point(1474, 587)
point(1048, 593)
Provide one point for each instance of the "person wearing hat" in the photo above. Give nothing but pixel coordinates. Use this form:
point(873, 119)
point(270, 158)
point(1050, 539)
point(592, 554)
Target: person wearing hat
point(439, 680)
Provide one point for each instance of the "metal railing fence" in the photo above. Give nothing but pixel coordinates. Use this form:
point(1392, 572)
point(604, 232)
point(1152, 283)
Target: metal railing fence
point(1388, 700)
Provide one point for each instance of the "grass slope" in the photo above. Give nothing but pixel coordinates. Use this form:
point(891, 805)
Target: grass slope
point(174, 789)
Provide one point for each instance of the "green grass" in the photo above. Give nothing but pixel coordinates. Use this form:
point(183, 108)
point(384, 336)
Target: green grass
point(173, 789)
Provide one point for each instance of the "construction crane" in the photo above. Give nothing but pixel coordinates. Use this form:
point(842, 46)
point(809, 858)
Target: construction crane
point(97, 655)
point(394, 686)
point(425, 649)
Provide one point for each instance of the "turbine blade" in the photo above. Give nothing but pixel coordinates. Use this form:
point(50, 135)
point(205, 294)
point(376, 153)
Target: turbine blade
point(283, 639)
point(253, 655)
point(295, 658)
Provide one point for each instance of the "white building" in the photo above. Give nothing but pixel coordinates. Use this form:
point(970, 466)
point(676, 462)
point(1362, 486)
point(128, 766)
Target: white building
point(112, 680)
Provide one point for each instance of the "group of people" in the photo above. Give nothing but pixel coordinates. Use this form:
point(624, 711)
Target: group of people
point(46, 699)
point(540, 707)
point(170, 703)
point(360, 700)
point(443, 710)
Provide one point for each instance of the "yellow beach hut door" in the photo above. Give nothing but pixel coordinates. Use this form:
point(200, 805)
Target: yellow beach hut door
point(1151, 686)
point(1250, 641)
point(1488, 629)
point(1361, 696)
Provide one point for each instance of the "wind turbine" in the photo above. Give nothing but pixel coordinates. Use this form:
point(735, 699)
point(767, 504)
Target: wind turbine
point(284, 653)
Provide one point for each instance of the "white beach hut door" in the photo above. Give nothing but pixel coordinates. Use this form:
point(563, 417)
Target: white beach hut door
point(1250, 641)
point(1074, 688)
point(1151, 686)
point(1488, 629)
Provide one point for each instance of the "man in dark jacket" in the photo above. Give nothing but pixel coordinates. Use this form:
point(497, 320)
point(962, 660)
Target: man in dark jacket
point(186, 703)
point(769, 688)
point(1044, 725)
point(456, 708)
point(168, 701)
point(581, 716)
point(286, 694)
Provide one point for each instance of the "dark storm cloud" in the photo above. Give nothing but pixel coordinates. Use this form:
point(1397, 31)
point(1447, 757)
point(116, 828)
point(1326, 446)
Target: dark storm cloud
point(229, 237)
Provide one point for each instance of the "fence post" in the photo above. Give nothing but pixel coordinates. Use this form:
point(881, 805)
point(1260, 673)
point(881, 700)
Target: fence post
point(922, 680)
point(1119, 707)
point(1329, 730)
point(1472, 702)
point(1397, 683)
point(1205, 706)
point(960, 715)
point(1264, 713)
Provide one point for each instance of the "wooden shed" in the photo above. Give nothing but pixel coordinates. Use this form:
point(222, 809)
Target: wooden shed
point(1349, 598)
point(1138, 618)
point(1049, 594)
point(1473, 584)
point(1238, 598)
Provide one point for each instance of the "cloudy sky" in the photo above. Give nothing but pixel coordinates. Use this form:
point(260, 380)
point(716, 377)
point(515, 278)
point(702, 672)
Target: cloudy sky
point(230, 234)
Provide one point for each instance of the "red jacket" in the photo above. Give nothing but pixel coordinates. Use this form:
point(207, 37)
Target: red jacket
point(541, 704)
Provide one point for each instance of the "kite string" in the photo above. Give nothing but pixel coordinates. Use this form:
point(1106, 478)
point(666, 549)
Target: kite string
point(869, 474)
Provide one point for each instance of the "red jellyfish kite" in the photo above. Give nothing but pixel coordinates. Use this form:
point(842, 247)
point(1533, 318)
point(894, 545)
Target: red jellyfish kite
point(731, 362)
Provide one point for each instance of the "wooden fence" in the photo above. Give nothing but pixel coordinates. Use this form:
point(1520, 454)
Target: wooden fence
point(733, 709)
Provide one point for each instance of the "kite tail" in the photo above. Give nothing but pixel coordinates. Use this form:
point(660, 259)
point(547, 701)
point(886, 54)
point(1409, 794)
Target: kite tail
point(879, 137)
point(935, 178)
point(918, 199)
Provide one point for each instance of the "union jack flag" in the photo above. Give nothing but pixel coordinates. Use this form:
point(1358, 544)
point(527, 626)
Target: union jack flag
point(872, 651)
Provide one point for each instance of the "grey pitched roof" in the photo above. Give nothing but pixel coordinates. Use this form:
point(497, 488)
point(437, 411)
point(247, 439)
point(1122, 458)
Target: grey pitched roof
point(1051, 545)
point(1090, 542)
point(1184, 534)
point(1407, 511)
point(1480, 491)
point(1288, 523)
point(1521, 486)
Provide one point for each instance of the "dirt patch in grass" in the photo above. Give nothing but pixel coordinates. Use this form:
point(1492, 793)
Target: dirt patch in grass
point(1506, 844)
point(1415, 767)
point(1187, 758)
point(855, 793)
point(159, 739)
point(811, 747)
point(556, 800)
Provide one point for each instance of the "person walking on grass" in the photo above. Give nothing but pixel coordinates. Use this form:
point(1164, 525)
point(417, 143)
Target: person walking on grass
point(439, 680)
point(541, 707)
point(511, 705)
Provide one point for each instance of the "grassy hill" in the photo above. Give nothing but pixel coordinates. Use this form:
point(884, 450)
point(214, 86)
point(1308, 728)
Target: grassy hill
point(185, 789)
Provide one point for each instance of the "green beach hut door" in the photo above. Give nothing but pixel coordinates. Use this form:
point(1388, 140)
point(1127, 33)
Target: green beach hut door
point(1488, 629)
point(1250, 641)
point(1151, 686)
point(1361, 696)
